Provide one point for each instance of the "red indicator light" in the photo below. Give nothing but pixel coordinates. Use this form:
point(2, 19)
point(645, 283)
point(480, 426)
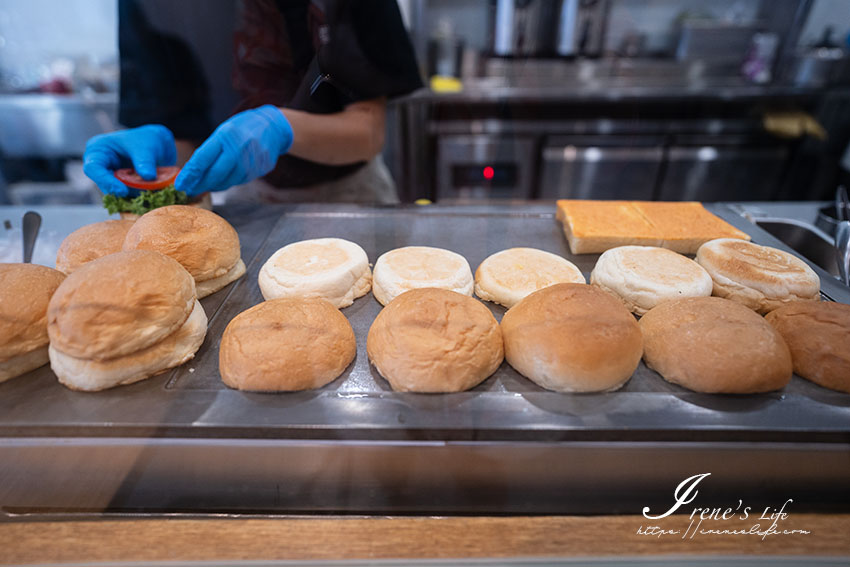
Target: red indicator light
point(488, 172)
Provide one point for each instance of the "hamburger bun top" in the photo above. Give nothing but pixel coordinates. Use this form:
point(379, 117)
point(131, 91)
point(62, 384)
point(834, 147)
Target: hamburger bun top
point(760, 277)
point(714, 345)
point(572, 338)
point(818, 335)
point(286, 344)
point(119, 304)
point(91, 242)
point(25, 291)
point(435, 340)
point(203, 242)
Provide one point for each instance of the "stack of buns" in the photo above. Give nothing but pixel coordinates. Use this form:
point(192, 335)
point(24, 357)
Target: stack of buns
point(25, 291)
point(330, 268)
point(200, 240)
point(123, 318)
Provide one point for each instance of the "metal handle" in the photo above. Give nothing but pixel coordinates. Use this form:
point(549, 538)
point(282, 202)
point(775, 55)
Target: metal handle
point(842, 250)
point(842, 204)
point(31, 224)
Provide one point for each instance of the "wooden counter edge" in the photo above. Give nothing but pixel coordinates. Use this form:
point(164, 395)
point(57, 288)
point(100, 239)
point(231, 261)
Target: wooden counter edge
point(336, 537)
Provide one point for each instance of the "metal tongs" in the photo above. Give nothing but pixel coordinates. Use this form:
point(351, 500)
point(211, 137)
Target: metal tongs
point(842, 234)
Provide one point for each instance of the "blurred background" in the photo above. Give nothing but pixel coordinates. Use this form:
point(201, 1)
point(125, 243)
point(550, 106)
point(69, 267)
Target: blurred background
point(527, 99)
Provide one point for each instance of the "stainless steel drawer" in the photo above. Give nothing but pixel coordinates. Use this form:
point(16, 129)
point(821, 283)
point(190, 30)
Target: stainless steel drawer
point(597, 172)
point(716, 173)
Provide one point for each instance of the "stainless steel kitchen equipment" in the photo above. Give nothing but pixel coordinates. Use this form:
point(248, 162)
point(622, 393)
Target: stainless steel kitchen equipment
point(710, 39)
point(183, 442)
point(581, 27)
point(601, 167)
point(45, 125)
point(721, 168)
point(485, 167)
point(842, 250)
point(524, 27)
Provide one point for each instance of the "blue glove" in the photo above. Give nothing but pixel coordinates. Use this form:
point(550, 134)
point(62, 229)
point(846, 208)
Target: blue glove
point(244, 147)
point(144, 147)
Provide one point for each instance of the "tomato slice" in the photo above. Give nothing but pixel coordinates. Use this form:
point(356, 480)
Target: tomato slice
point(165, 176)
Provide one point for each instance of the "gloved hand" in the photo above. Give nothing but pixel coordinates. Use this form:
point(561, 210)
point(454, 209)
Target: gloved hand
point(145, 147)
point(244, 147)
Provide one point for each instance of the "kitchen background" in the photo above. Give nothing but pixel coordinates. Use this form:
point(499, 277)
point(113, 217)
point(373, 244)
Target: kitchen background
point(528, 99)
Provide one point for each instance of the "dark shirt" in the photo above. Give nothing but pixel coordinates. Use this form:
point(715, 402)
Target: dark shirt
point(306, 55)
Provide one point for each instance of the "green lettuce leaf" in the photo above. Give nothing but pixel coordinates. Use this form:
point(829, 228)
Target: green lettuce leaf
point(146, 201)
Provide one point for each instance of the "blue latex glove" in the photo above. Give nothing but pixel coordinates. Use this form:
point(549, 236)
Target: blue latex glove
point(244, 147)
point(144, 148)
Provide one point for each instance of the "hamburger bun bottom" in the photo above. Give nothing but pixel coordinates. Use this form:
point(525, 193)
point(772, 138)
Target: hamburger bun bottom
point(208, 287)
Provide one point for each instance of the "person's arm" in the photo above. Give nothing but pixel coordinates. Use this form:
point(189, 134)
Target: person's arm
point(353, 135)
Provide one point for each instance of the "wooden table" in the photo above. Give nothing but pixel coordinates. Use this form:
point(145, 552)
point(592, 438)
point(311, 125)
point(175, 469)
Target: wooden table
point(335, 538)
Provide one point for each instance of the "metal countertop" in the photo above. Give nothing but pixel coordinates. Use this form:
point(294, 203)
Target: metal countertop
point(184, 440)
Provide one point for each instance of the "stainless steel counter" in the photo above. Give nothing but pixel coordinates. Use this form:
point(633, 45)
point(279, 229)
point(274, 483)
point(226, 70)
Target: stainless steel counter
point(184, 442)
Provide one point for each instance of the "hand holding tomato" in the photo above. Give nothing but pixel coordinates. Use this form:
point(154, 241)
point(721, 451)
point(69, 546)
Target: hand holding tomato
point(144, 148)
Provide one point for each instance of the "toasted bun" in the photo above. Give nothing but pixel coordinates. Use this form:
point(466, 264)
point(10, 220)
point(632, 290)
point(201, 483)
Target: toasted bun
point(329, 268)
point(91, 242)
point(119, 304)
point(208, 287)
point(508, 276)
point(760, 277)
point(413, 267)
point(25, 291)
point(710, 344)
point(644, 276)
point(572, 338)
point(434, 340)
point(173, 350)
point(818, 335)
point(288, 344)
point(23, 363)
point(203, 242)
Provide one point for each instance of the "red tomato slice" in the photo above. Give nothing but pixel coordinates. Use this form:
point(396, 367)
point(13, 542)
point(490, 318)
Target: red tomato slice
point(165, 176)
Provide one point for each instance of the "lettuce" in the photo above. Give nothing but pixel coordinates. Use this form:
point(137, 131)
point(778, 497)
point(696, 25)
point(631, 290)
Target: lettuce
point(146, 201)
